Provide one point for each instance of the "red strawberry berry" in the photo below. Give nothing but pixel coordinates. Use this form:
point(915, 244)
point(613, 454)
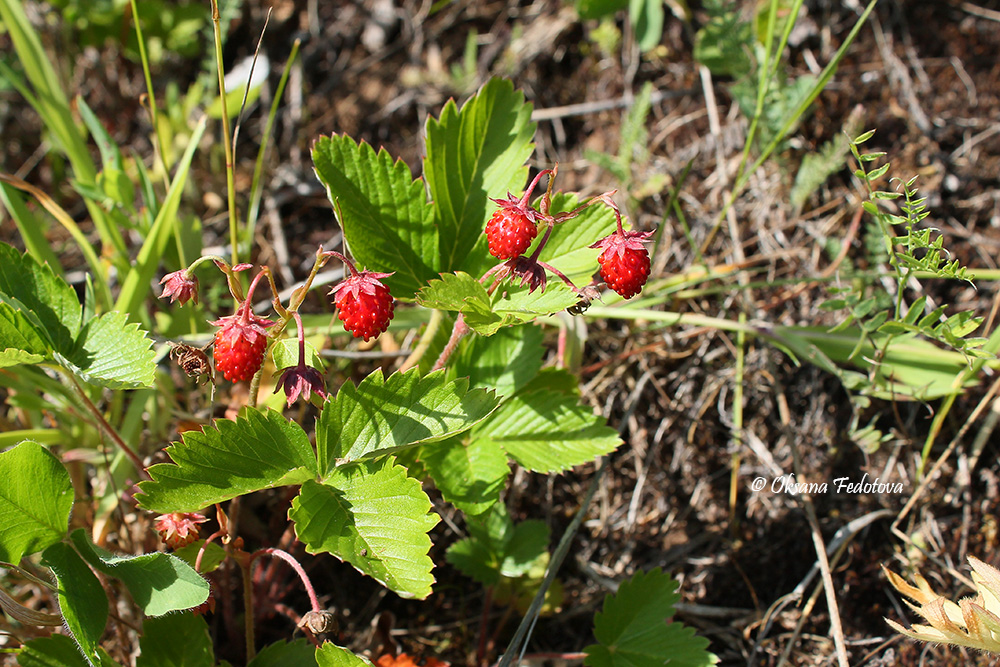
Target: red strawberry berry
point(624, 261)
point(363, 303)
point(510, 231)
point(240, 343)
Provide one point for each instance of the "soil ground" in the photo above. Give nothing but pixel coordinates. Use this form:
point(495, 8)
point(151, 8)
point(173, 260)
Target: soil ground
point(924, 74)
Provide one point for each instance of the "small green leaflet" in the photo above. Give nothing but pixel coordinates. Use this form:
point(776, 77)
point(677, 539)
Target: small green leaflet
point(35, 501)
point(373, 516)
point(633, 631)
point(387, 221)
point(159, 583)
point(473, 155)
point(498, 548)
point(505, 361)
point(260, 450)
point(381, 415)
point(113, 353)
point(331, 655)
point(486, 314)
point(470, 475)
point(20, 342)
point(43, 293)
point(545, 428)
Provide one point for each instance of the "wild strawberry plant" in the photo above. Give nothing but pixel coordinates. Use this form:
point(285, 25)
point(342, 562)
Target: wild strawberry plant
point(485, 265)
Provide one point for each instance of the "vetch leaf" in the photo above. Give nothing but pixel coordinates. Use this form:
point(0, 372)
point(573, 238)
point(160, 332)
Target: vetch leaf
point(470, 475)
point(260, 450)
point(373, 516)
point(177, 640)
point(36, 497)
point(547, 430)
point(47, 296)
point(472, 155)
point(387, 221)
point(633, 631)
point(114, 354)
point(381, 414)
point(159, 582)
point(82, 601)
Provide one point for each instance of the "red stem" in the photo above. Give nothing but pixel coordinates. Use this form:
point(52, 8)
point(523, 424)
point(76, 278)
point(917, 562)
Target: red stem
point(342, 258)
point(531, 188)
point(290, 559)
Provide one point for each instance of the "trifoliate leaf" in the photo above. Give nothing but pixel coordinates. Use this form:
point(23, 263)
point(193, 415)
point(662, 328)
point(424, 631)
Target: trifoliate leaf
point(474, 154)
point(373, 516)
point(381, 414)
point(633, 631)
point(36, 497)
point(387, 221)
point(260, 450)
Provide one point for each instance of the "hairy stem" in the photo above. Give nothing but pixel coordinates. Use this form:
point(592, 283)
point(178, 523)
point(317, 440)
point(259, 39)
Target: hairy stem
point(295, 565)
point(109, 429)
point(457, 333)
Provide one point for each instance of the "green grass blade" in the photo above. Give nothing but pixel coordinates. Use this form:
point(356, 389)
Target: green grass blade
point(136, 284)
point(32, 229)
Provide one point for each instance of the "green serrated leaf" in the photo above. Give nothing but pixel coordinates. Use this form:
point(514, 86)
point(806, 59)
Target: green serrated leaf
point(387, 221)
point(36, 497)
point(82, 601)
point(299, 653)
point(373, 516)
point(473, 155)
point(113, 353)
point(159, 644)
point(480, 555)
point(260, 450)
point(382, 415)
point(506, 361)
point(52, 302)
point(453, 291)
point(20, 341)
point(159, 583)
point(633, 631)
point(331, 655)
point(528, 542)
point(547, 430)
point(469, 475)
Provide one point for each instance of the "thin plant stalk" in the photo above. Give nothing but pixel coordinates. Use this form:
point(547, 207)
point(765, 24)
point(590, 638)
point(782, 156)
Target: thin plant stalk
point(227, 142)
point(153, 111)
point(258, 168)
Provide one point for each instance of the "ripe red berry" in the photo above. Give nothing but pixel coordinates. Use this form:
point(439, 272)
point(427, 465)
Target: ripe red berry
point(624, 261)
point(240, 343)
point(364, 304)
point(510, 231)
